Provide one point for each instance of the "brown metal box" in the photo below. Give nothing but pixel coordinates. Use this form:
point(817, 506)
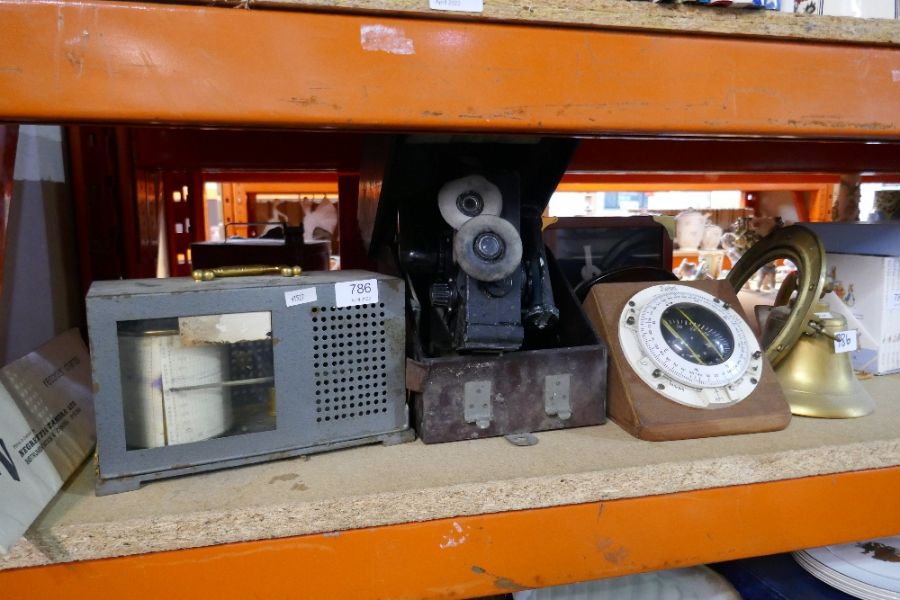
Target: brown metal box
point(549, 386)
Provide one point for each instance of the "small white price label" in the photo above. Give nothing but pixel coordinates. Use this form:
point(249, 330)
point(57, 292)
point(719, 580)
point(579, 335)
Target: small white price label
point(475, 6)
point(304, 296)
point(824, 315)
point(354, 293)
point(845, 341)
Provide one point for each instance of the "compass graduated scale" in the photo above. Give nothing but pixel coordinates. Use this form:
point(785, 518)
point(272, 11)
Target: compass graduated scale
point(690, 346)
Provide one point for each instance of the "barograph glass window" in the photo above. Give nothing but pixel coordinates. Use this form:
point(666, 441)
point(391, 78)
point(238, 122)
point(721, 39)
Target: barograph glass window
point(188, 379)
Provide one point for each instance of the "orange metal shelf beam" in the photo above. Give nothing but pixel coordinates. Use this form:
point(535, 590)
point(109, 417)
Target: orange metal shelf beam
point(284, 179)
point(487, 554)
point(792, 157)
point(680, 186)
point(720, 180)
point(312, 188)
point(95, 60)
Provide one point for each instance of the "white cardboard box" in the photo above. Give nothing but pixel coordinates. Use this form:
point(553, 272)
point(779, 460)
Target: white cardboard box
point(870, 289)
point(46, 429)
point(865, 258)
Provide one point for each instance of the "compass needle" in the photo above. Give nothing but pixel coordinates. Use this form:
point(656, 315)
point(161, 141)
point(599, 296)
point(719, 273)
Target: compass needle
point(690, 349)
point(702, 333)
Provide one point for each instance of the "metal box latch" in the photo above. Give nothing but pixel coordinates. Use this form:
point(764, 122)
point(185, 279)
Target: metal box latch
point(477, 403)
point(557, 400)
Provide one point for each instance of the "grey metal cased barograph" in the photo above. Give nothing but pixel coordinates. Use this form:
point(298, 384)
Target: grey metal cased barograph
point(193, 376)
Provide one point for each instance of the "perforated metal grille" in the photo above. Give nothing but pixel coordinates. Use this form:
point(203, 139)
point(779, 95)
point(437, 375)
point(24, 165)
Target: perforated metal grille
point(350, 362)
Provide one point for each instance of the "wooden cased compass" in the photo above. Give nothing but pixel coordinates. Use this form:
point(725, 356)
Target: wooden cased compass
point(683, 361)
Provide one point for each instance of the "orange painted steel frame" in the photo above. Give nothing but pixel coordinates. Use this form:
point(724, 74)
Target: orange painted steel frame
point(118, 62)
point(501, 552)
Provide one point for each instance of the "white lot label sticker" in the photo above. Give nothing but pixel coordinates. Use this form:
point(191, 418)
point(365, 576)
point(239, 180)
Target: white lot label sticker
point(354, 293)
point(304, 296)
point(476, 6)
point(845, 341)
point(824, 315)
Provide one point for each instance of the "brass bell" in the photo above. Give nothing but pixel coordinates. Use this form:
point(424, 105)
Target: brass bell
point(817, 381)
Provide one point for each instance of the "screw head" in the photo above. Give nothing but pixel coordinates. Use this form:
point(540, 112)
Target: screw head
point(660, 387)
point(630, 320)
point(657, 373)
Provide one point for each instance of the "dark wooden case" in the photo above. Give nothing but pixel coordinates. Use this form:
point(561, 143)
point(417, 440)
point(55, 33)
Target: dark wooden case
point(615, 242)
point(644, 413)
point(289, 250)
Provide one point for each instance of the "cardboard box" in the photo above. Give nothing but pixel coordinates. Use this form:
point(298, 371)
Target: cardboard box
point(864, 260)
point(46, 429)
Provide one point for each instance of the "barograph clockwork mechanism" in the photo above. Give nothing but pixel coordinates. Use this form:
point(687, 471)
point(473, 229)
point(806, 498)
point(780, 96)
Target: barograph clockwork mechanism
point(690, 346)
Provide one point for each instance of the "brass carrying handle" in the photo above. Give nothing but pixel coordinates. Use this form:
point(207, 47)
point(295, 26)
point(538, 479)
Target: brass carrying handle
point(245, 271)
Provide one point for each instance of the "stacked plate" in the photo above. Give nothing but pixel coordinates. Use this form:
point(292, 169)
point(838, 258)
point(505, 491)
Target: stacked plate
point(868, 570)
point(692, 583)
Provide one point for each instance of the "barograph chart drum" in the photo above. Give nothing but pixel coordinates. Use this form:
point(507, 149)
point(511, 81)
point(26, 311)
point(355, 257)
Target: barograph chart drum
point(172, 394)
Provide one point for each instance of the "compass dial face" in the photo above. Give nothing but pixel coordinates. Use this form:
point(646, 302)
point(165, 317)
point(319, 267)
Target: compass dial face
point(690, 346)
point(696, 334)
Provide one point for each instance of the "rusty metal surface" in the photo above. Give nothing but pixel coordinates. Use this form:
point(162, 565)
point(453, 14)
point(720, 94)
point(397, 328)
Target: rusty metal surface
point(517, 392)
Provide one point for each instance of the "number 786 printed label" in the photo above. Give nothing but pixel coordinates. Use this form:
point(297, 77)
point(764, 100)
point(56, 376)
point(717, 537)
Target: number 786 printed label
point(354, 293)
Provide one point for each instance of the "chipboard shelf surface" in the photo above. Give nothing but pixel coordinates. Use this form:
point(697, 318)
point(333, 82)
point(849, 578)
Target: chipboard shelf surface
point(410, 483)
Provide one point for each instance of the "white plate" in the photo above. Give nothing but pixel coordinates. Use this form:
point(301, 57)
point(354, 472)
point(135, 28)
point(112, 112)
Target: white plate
point(872, 567)
point(840, 582)
point(694, 583)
